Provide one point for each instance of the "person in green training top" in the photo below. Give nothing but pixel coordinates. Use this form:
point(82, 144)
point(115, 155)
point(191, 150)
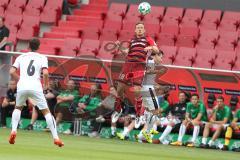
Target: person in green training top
point(235, 125)
point(64, 100)
point(196, 114)
point(91, 101)
point(220, 117)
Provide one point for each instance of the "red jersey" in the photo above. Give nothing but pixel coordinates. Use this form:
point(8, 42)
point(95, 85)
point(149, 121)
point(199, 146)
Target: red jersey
point(136, 49)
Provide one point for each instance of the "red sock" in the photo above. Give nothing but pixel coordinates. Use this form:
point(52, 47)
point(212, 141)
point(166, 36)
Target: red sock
point(138, 106)
point(118, 104)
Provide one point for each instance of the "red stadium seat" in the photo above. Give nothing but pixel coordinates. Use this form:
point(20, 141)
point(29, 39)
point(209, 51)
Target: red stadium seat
point(157, 13)
point(211, 53)
point(169, 29)
point(212, 34)
point(47, 49)
point(3, 7)
point(89, 47)
point(60, 34)
point(192, 17)
point(71, 47)
point(185, 56)
point(16, 7)
point(189, 31)
point(91, 33)
point(206, 43)
point(166, 39)
point(185, 41)
point(52, 11)
point(118, 7)
point(52, 42)
point(170, 53)
point(88, 13)
point(203, 62)
point(113, 24)
point(211, 19)
point(72, 24)
point(173, 15)
point(230, 21)
point(108, 35)
point(65, 29)
point(34, 8)
point(29, 28)
point(228, 41)
point(13, 22)
point(104, 53)
point(125, 35)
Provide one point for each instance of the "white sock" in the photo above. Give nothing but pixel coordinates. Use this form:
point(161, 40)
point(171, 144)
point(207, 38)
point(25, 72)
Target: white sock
point(113, 130)
point(211, 142)
point(195, 133)
point(125, 132)
point(124, 129)
point(204, 140)
point(140, 135)
point(181, 132)
point(15, 119)
point(165, 133)
point(52, 125)
point(155, 126)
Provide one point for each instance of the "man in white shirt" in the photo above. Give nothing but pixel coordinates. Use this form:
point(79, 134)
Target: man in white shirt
point(29, 85)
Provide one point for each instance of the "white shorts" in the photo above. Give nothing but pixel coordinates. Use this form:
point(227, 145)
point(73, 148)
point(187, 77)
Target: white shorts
point(164, 121)
point(38, 98)
point(215, 126)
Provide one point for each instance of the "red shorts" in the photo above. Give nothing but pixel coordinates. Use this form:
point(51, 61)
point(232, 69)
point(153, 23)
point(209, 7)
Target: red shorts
point(132, 73)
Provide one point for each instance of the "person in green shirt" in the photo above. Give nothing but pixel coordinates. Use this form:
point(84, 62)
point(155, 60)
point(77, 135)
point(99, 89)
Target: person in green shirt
point(64, 100)
point(220, 117)
point(234, 126)
point(90, 102)
point(195, 114)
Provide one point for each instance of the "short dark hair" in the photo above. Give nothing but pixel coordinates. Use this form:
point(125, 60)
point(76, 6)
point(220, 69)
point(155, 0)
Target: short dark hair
point(34, 44)
point(220, 97)
point(140, 22)
point(195, 95)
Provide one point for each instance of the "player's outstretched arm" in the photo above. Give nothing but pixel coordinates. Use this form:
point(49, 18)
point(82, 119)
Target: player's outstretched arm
point(13, 74)
point(45, 79)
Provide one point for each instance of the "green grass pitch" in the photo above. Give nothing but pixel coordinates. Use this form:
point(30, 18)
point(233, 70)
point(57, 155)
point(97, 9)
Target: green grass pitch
point(31, 145)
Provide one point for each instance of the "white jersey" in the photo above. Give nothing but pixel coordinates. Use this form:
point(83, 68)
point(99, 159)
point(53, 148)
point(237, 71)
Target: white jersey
point(30, 65)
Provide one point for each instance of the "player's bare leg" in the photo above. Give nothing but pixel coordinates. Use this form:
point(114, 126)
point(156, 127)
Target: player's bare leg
point(52, 126)
point(216, 135)
point(181, 133)
point(205, 135)
point(16, 115)
point(126, 131)
point(196, 129)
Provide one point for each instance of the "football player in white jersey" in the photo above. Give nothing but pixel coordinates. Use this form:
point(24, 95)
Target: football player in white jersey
point(31, 65)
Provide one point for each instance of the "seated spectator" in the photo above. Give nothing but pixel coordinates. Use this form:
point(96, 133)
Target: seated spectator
point(9, 102)
point(220, 117)
point(177, 115)
point(234, 126)
point(90, 102)
point(64, 100)
point(106, 106)
point(196, 114)
point(4, 34)
point(51, 95)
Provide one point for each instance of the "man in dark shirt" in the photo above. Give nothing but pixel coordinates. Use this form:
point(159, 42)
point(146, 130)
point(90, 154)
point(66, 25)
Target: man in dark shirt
point(9, 102)
point(177, 115)
point(4, 34)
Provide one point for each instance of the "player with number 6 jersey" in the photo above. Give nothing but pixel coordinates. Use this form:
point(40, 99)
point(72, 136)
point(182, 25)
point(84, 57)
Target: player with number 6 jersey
point(31, 65)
